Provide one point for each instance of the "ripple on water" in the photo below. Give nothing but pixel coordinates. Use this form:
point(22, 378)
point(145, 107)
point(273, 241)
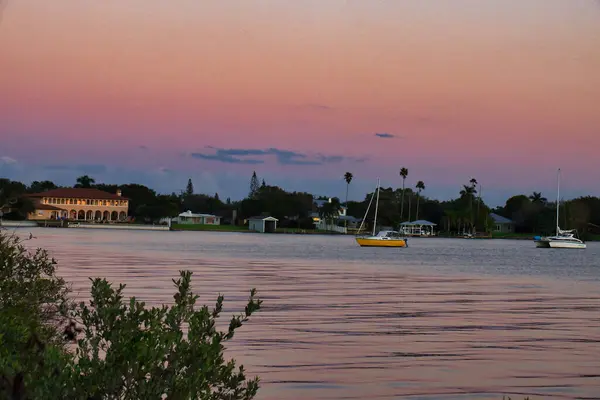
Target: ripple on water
point(442, 319)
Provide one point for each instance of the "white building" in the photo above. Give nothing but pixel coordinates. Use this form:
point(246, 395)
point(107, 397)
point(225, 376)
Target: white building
point(262, 224)
point(418, 228)
point(188, 217)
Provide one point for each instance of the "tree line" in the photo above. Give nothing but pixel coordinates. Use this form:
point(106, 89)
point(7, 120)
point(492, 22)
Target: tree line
point(468, 212)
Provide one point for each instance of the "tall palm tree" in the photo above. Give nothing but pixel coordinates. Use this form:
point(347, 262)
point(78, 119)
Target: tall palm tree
point(403, 174)
point(537, 198)
point(420, 186)
point(348, 178)
point(85, 182)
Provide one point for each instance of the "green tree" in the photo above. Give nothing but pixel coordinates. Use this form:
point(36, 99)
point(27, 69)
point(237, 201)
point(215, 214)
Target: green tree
point(85, 181)
point(330, 210)
point(348, 178)
point(403, 174)
point(420, 186)
point(254, 186)
point(147, 354)
point(537, 198)
point(43, 186)
point(189, 189)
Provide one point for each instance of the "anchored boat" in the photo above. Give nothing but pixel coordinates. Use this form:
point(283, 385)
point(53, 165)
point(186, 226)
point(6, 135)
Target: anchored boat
point(564, 239)
point(382, 238)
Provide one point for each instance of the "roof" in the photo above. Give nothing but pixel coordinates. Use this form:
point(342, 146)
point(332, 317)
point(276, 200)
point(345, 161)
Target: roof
point(81, 193)
point(499, 219)
point(419, 222)
point(48, 207)
point(188, 213)
point(320, 202)
point(262, 218)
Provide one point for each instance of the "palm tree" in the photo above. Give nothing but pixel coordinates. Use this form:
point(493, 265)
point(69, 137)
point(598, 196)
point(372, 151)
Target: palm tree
point(469, 191)
point(348, 179)
point(85, 182)
point(420, 186)
point(537, 198)
point(403, 174)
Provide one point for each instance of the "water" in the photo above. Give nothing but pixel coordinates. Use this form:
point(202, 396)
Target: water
point(442, 319)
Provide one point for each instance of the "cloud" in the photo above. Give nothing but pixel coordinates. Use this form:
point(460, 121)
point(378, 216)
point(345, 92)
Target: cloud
point(143, 147)
point(385, 135)
point(283, 157)
point(85, 168)
point(6, 160)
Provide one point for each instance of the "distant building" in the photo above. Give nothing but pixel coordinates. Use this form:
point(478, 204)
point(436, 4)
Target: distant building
point(502, 224)
point(342, 215)
point(82, 204)
point(262, 224)
point(188, 217)
point(418, 228)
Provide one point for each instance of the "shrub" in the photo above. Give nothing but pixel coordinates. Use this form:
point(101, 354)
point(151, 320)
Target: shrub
point(122, 350)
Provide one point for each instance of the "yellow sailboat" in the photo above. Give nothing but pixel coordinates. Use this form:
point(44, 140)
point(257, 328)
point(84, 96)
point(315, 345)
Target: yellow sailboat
point(382, 238)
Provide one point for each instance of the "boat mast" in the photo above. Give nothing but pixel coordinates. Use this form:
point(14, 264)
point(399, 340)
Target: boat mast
point(365, 216)
point(557, 200)
point(376, 206)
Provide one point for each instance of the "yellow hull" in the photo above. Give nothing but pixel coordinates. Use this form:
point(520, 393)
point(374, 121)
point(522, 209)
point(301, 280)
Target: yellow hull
point(367, 242)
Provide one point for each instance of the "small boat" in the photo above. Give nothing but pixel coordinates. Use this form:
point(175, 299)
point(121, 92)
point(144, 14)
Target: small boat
point(564, 239)
point(383, 238)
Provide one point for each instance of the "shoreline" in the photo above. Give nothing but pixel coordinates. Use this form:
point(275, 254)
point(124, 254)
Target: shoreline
point(235, 229)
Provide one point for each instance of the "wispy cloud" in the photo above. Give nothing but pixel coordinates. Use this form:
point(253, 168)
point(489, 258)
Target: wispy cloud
point(283, 157)
point(385, 135)
point(143, 147)
point(7, 160)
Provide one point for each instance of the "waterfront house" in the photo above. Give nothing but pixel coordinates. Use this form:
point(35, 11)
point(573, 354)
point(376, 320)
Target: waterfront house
point(502, 224)
point(342, 215)
point(82, 204)
point(263, 224)
point(188, 217)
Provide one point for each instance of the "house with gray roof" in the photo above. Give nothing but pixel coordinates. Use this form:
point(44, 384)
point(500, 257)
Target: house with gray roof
point(502, 224)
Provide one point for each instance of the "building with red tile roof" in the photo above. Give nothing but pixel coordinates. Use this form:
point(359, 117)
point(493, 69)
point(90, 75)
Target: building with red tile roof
point(82, 204)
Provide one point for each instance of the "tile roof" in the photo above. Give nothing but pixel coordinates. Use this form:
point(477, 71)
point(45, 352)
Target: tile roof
point(80, 193)
point(48, 207)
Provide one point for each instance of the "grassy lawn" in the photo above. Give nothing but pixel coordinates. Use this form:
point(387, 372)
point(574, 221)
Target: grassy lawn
point(213, 228)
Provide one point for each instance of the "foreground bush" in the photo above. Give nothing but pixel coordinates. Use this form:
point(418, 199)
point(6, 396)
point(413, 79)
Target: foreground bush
point(122, 349)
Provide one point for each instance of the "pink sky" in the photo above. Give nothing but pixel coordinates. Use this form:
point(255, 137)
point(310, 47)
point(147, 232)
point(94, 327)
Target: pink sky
point(505, 91)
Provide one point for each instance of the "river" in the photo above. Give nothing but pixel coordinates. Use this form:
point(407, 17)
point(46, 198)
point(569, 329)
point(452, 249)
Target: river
point(442, 319)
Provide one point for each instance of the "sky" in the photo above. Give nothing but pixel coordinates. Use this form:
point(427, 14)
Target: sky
point(156, 92)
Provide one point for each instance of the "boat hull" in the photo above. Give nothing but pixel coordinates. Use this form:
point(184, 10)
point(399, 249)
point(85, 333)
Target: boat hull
point(372, 242)
point(558, 244)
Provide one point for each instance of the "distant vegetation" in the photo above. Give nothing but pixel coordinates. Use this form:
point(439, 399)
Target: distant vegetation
point(532, 213)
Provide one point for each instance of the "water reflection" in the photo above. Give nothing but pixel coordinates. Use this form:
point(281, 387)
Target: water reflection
point(442, 319)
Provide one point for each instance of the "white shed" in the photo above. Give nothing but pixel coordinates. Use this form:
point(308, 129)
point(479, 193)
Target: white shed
point(262, 224)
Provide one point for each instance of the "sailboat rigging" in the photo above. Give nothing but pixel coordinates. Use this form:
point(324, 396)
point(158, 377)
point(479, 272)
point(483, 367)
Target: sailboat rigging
point(564, 239)
point(383, 238)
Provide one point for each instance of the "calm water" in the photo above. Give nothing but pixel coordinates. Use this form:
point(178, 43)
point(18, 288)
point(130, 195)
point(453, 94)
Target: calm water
point(442, 319)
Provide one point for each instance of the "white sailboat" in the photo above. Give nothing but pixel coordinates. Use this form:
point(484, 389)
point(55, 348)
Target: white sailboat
point(564, 239)
point(382, 238)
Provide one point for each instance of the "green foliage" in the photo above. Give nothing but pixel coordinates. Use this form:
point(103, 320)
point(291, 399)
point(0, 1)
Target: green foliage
point(531, 214)
point(189, 189)
point(123, 350)
point(147, 352)
point(254, 186)
point(85, 181)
